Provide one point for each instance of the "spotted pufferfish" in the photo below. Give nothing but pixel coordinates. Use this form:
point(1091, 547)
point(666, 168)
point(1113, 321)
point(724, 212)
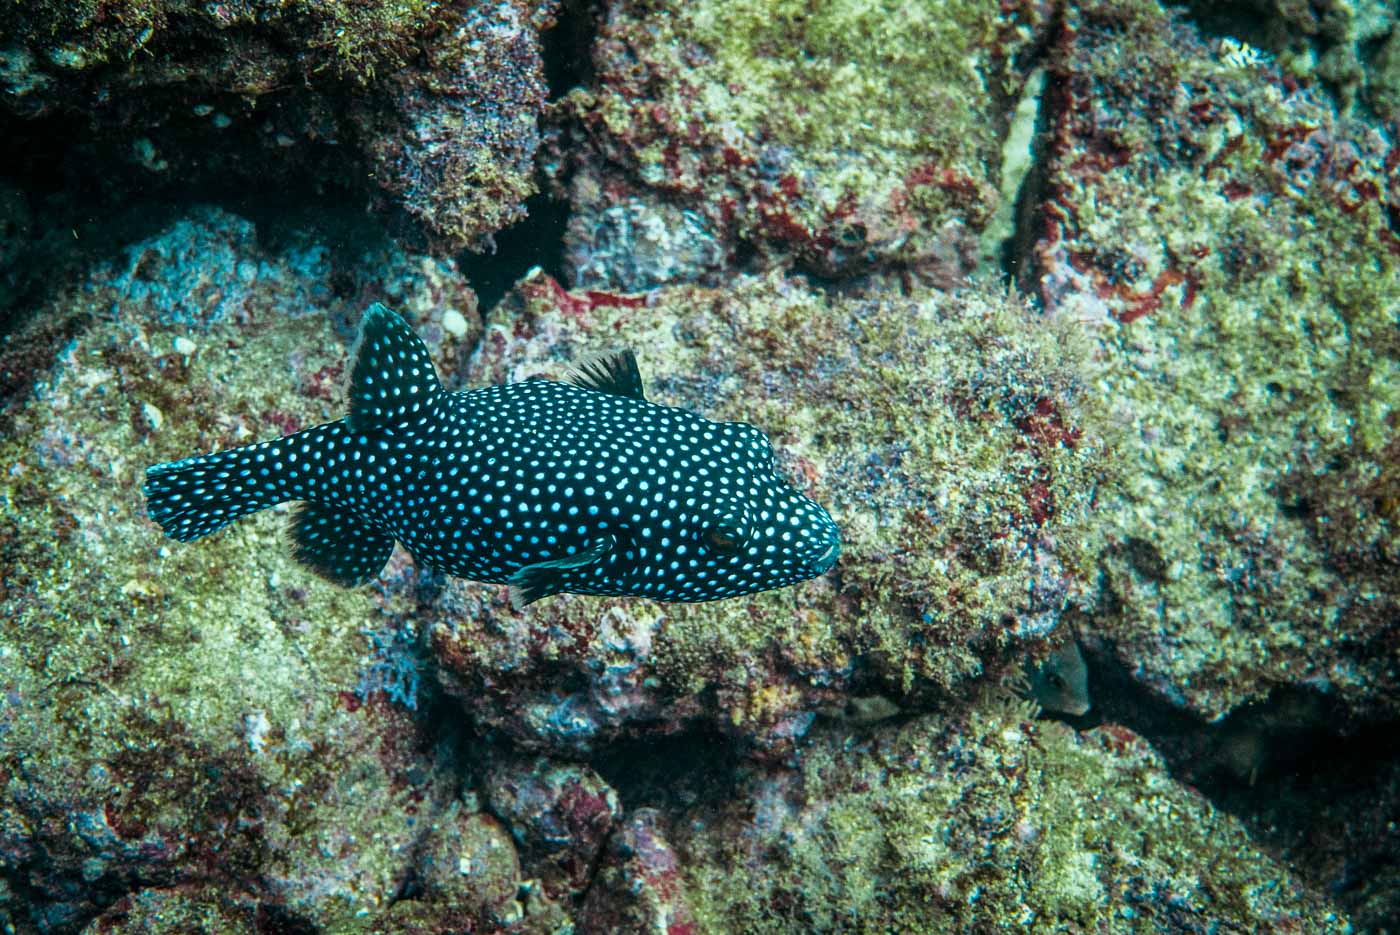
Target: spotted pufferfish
point(581, 486)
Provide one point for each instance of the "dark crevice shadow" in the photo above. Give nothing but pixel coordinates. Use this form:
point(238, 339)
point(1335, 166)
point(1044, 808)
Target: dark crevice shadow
point(538, 240)
point(568, 47)
point(674, 774)
point(82, 201)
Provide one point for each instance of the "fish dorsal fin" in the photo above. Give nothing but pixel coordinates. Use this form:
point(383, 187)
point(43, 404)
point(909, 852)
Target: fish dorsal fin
point(614, 373)
point(542, 579)
point(393, 376)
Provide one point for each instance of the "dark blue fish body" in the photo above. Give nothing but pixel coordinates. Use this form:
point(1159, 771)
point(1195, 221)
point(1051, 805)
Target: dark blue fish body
point(583, 487)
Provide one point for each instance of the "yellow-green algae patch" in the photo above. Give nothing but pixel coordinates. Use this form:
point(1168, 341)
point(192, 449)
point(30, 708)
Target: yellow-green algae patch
point(844, 132)
point(347, 37)
point(1235, 251)
point(137, 666)
point(888, 80)
point(205, 632)
point(981, 821)
point(951, 436)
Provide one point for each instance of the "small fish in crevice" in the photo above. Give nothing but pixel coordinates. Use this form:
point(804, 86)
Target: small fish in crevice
point(862, 709)
point(1060, 683)
point(549, 487)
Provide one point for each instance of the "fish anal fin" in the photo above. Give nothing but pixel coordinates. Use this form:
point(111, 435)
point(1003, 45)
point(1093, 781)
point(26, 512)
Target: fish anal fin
point(615, 372)
point(337, 544)
point(392, 377)
point(532, 582)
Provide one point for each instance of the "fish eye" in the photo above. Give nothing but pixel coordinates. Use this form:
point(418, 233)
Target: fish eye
point(724, 538)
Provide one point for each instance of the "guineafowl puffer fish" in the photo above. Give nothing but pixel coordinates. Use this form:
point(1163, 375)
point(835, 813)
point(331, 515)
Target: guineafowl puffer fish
point(581, 486)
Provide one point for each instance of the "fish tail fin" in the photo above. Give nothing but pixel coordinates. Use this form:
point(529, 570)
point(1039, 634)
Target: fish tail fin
point(200, 495)
point(187, 501)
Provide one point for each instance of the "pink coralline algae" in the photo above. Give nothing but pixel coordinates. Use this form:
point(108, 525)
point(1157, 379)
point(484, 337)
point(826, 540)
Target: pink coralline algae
point(561, 816)
point(640, 886)
point(834, 163)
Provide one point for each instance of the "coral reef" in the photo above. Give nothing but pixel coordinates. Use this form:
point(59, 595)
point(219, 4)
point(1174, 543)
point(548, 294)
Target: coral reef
point(1337, 43)
point(436, 104)
point(639, 887)
point(975, 822)
point(838, 136)
point(456, 143)
point(1231, 241)
point(953, 438)
point(175, 717)
point(1176, 449)
point(49, 42)
point(637, 245)
point(560, 814)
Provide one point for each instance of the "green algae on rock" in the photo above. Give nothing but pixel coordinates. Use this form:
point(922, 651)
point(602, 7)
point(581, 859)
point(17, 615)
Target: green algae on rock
point(435, 104)
point(975, 822)
point(954, 438)
point(841, 134)
point(1336, 43)
point(1232, 244)
point(348, 38)
point(455, 137)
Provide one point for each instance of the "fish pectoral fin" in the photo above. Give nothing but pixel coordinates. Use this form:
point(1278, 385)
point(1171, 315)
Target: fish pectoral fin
point(338, 545)
point(532, 582)
point(615, 372)
point(392, 377)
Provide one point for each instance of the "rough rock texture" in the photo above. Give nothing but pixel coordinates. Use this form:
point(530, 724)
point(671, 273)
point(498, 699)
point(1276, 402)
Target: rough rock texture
point(952, 437)
point(1341, 44)
point(981, 822)
point(436, 104)
point(1233, 245)
point(1189, 461)
point(638, 244)
point(233, 45)
point(173, 717)
point(840, 136)
point(639, 887)
point(560, 814)
point(1384, 91)
point(457, 141)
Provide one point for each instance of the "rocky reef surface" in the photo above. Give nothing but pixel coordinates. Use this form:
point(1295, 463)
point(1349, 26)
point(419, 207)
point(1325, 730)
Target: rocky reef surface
point(1246, 307)
point(1082, 318)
